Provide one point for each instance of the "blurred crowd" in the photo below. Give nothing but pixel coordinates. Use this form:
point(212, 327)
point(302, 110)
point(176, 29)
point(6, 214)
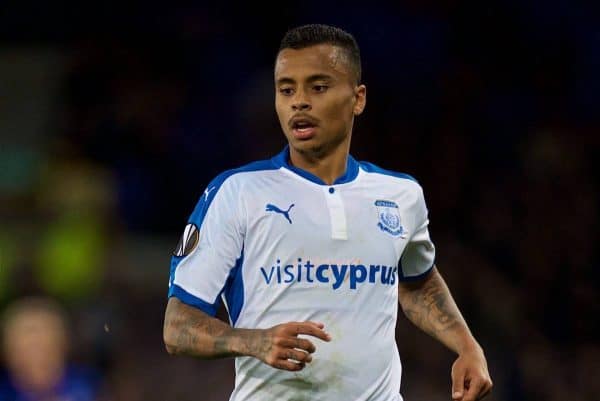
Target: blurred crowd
point(113, 121)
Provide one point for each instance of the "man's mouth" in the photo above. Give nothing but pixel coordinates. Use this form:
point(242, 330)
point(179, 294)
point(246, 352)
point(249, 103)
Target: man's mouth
point(303, 128)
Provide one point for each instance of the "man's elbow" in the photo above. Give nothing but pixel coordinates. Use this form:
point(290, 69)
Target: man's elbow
point(170, 339)
point(171, 349)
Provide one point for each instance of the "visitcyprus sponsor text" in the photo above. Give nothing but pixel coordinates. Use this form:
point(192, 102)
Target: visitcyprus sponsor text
point(333, 274)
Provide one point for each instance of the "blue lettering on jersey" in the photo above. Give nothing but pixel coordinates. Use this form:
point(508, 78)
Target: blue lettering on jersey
point(333, 274)
point(273, 208)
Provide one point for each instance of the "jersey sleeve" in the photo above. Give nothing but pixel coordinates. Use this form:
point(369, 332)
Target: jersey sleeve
point(210, 248)
point(419, 254)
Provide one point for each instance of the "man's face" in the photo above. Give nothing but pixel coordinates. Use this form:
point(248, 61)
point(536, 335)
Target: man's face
point(35, 347)
point(316, 98)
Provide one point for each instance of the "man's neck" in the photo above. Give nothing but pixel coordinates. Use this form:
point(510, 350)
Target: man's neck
point(328, 167)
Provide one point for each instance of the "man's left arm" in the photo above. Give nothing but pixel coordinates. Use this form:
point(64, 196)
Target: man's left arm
point(430, 306)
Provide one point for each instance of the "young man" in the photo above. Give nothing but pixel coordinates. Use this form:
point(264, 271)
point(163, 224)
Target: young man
point(312, 251)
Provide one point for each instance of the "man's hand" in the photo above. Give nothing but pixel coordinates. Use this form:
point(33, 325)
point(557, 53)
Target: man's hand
point(470, 377)
point(281, 348)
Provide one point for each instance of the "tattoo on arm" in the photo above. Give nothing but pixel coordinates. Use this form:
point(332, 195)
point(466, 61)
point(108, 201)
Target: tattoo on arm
point(195, 333)
point(430, 306)
point(254, 343)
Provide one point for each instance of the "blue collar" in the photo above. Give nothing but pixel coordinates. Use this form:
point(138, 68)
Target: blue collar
point(282, 160)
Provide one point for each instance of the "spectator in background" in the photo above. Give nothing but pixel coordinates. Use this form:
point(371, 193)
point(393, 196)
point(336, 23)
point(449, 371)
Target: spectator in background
point(35, 345)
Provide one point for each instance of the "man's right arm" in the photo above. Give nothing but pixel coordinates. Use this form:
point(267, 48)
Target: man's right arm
point(190, 331)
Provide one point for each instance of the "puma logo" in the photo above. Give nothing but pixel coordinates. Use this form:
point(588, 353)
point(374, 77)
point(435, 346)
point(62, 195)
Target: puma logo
point(286, 214)
point(207, 191)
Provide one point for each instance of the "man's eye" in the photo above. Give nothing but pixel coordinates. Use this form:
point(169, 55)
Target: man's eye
point(286, 91)
point(320, 88)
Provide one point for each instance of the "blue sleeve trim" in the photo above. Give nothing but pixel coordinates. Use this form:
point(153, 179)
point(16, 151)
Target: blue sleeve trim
point(402, 277)
point(188, 299)
point(372, 168)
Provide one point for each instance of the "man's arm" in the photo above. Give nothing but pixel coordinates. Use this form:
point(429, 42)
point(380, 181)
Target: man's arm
point(429, 305)
point(189, 331)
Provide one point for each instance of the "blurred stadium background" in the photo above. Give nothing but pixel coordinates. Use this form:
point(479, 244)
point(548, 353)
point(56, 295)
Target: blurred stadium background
point(113, 120)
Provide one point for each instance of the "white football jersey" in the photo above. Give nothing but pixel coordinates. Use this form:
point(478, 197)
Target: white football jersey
point(277, 244)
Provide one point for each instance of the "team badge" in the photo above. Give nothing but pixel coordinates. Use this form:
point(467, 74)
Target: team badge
point(389, 218)
point(188, 241)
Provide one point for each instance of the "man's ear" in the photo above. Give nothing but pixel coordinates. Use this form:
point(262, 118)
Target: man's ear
point(360, 99)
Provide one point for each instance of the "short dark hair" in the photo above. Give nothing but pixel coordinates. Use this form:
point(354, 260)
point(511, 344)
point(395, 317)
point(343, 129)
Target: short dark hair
point(315, 34)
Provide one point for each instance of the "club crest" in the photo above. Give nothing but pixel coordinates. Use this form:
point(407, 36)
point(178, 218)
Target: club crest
point(389, 218)
point(188, 241)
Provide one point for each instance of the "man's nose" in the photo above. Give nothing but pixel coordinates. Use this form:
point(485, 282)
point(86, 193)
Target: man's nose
point(301, 104)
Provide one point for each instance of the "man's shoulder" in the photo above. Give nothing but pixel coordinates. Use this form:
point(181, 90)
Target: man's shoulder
point(233, 181)
point(256, 167)
point(372, 168)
